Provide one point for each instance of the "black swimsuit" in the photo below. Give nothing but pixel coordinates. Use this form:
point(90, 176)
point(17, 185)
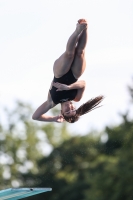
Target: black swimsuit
point(65, 95)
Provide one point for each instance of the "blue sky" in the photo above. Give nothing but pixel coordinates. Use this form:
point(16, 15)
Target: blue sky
point(34, 33)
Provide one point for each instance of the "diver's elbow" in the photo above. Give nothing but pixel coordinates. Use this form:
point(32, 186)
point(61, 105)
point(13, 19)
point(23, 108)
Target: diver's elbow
point(34, 117)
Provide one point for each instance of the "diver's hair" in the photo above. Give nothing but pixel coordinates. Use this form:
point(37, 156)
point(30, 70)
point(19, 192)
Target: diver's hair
point(85, 108)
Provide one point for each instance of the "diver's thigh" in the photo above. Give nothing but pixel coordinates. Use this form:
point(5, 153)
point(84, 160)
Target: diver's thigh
point(78, 65)
point(62, 65)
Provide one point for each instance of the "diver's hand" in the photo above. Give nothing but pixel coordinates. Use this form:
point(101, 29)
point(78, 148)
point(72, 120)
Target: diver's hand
point(60, 86)
point(59, 119)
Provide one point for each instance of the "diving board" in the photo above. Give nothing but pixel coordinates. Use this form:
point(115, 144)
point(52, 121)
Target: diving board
point(20, 193)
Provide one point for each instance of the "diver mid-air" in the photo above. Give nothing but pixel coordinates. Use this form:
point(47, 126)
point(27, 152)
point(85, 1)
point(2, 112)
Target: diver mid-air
point(65, 87)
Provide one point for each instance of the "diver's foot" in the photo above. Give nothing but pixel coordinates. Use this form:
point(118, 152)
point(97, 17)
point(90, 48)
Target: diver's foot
point(82, 21)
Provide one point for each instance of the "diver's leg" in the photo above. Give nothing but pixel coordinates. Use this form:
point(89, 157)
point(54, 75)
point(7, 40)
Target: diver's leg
point(64, 62)
point(79, 62)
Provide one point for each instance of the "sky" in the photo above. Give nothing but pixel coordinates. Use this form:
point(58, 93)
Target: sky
point(34, 34)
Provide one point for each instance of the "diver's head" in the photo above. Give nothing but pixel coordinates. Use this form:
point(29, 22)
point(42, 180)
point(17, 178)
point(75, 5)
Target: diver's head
point(69, 112)
point(72, 115)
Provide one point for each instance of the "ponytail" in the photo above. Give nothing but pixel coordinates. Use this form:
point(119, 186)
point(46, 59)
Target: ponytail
point(85, 108)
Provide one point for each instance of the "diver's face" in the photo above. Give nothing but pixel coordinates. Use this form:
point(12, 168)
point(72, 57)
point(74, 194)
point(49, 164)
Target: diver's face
point(68, 109)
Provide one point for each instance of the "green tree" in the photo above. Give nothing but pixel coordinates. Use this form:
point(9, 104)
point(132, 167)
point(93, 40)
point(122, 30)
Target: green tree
point(23, 143)
point(113, 177)
point(87, 168)
point(66, 169)
point(18, 145)
point(114, 180)
point(78, 167)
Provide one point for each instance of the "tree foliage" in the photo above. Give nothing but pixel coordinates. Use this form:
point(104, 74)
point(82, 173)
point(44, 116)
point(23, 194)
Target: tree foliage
point(23, 143)
point(80, 167)
point(85, 168)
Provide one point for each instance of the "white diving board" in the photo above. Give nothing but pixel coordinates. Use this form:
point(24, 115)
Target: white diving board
point(20, 193)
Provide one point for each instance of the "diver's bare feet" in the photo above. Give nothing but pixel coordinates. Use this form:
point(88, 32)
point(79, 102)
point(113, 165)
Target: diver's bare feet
point(82, 21)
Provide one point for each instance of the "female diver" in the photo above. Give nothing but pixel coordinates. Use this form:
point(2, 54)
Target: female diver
point(65, 86)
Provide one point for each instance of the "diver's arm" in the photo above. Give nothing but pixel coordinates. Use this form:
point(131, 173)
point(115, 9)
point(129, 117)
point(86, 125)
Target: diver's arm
point(39, 114)
point(79, 95)
point(77, 85)
point(80, 86)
